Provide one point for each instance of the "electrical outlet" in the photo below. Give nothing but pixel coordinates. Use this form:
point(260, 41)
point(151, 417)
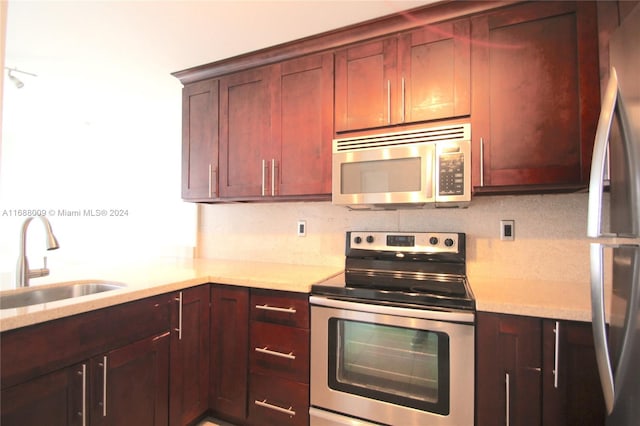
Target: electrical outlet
point(507, 230)
point(302, 228)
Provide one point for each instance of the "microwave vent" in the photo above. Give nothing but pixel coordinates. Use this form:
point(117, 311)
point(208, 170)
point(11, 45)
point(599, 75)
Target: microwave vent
point(432, 134)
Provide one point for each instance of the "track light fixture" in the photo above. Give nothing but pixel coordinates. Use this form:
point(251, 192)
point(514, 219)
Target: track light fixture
point(19, 84)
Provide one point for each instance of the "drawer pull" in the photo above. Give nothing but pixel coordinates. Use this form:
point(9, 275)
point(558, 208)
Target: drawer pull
point(276, 309)
point(264, 350)
point(265, 404)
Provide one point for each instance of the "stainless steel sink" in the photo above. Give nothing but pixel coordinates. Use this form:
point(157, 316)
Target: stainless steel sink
point(35, 295)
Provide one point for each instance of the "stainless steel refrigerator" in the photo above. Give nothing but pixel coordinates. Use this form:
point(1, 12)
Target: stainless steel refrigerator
point(618, 141)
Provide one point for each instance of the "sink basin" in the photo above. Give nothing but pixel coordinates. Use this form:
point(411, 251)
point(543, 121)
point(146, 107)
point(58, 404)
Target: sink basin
point(35, 295)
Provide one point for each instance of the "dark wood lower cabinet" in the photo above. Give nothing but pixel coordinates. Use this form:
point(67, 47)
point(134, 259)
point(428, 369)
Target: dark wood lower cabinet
point(130, 385)
point(529, 373)
point(229, 351)
point(189, 371)
point(54, 399)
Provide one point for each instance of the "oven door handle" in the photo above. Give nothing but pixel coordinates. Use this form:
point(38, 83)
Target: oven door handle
point(444, 315)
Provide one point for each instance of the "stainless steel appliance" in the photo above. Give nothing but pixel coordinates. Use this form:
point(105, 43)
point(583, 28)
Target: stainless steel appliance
point(618, 354)
point(417, 168)
point(392, 339)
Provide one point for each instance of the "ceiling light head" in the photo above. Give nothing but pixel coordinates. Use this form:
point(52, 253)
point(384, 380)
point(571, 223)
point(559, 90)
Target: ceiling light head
point(19, 84)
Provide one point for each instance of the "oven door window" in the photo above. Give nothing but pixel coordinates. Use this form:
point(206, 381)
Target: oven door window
point(402, 366)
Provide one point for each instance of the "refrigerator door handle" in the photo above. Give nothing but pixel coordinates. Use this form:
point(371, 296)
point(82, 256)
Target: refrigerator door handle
point(599, 325)
point(598, 162)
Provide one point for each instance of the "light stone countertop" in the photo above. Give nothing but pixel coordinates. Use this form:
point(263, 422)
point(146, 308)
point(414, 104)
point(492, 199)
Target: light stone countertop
point(158, 277)
point(546, 299)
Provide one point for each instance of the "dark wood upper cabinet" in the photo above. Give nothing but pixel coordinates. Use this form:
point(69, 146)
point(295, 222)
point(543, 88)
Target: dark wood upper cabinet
point(302, 126)
point(200, 141)
point(245, 132)
point(275, 130)
point(420, 75)
point(536, 96)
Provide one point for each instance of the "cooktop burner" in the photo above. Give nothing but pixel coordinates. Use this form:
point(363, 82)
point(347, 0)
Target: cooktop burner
point(422, 269)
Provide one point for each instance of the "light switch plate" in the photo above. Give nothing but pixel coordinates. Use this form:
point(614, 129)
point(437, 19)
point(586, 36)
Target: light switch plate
point(507, 230)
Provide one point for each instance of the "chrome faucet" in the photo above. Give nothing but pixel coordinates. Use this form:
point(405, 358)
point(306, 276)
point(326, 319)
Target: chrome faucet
point(23, 273)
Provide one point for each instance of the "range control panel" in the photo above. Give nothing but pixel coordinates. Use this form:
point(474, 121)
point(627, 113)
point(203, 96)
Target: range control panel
point(414, 242)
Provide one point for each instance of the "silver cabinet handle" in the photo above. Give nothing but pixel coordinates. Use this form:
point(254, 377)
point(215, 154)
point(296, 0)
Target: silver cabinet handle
point(179, 329)
point(264, 350)
point(507, 389)
point(388, 101)
point(210, 173)
point(265, 404)
point(273, 177)
point(264, 164)
point(556, 356)
point(276, 309)
point(481, 162)
point(83, 374)
point(103, 364)
point(403, 100)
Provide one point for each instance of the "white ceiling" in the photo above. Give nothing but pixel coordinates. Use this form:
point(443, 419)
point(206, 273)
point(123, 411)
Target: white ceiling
point(165, 35)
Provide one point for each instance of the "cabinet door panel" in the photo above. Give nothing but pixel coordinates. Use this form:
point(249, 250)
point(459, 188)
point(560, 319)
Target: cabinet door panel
point(576, 397)
point(365, 85)
point(508, 370)
point(229, 350)
point(245, 132)
point(303, 125)
point(53, 400)
point(190, 356)
point(137, 384)
point(200, 140)
point(536, 93)
point(437, 71)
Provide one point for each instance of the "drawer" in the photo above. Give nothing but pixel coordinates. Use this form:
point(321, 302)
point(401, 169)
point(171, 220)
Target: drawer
point(280, 307)
point(279, 350)
point(277, 402)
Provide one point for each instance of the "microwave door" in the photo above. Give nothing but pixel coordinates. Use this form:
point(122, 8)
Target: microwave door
point(398, 175)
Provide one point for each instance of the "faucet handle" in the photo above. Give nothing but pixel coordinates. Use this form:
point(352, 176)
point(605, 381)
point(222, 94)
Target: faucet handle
point(45, 262)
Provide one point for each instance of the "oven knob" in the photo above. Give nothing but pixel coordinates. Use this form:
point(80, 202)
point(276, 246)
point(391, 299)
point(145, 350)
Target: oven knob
point(433, 241)
point(357, 240)
point(448, 242)
point(370, 238)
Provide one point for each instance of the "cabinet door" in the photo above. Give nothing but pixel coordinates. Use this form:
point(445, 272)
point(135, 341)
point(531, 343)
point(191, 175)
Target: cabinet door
point(571, 387)
point(508, 370)
point(229, 350)
point(436, 72)
point(535, 95)
point(303, 126)
point(189, 377)
point(365, 91)
point(277, 402)
point(130, 385)
point(55, 399)
point(200, 141)
point(245, 133)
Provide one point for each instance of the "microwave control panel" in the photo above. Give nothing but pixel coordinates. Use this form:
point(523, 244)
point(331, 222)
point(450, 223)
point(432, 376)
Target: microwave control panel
point(451, 174)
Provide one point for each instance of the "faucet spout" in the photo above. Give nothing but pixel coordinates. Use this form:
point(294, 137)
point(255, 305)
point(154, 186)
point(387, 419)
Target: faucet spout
point(23, 273)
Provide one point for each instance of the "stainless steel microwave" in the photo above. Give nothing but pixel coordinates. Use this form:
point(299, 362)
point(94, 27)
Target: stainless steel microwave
point(430, 167)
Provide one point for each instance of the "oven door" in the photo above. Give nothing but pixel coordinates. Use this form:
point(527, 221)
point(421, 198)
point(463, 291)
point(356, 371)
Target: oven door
point(392, 365)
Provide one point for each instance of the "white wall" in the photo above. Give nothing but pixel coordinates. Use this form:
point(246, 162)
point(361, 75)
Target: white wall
point(550, 231)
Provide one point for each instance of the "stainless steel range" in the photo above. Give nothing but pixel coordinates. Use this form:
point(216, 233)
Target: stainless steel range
point(392, 340)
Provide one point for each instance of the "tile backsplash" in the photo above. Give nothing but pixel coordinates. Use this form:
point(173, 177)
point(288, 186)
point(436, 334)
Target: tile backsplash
point(550, 242)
